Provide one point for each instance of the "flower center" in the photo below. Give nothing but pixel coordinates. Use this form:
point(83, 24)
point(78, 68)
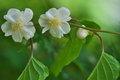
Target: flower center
point(17, 25)
point(54, 22)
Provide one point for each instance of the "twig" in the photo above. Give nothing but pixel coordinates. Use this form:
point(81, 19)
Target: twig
point(1, 32)
point(93, 30)
point(102, 43)
point(74, 20)
point(31, 44)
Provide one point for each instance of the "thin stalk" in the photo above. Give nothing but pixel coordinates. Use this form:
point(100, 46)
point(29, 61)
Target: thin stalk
point(1, 32)
point(74, 20)
point(102, 43)
point(93, 30)
point(31, 44)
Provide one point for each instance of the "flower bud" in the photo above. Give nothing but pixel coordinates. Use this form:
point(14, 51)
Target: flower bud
point(82, 33)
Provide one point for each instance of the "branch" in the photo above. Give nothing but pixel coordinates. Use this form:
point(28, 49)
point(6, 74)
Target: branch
point(93, 30)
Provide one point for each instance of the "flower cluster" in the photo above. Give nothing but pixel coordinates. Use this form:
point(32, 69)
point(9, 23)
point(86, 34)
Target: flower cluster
point(19, 23)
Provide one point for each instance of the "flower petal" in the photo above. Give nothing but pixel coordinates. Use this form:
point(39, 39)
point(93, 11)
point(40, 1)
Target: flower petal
point(6, 26)
point(53, 12)
point(8, 33)
point(64, 14)
point(30, 24)
point(64, 10)
point(43, 21)
point(56, 32)
point(12, 13)
point(44, 16)
point(17, 36)
point(65, 27)
point(27, 15)
point(49, 16)
point(45, 29)
point(28, 31)
point(9, 18)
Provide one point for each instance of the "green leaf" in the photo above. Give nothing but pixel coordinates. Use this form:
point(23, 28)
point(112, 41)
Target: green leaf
point(69, 53)
point(34, 70)
point(106, 69)
point(89, 24)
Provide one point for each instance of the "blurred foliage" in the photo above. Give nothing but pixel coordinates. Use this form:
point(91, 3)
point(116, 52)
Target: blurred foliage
point(14, 56)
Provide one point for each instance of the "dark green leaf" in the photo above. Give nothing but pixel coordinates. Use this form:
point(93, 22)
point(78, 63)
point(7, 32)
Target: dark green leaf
point(106, 69)
point(34, 70)
point(89, 24)
point(89, 39)
point(69, 53)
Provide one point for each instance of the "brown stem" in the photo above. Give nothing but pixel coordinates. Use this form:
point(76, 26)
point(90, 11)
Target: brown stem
point(102, 43)
point(74, 20)
point(31, 44)
point(36, 25)
point(1, 32)
point(93, 30)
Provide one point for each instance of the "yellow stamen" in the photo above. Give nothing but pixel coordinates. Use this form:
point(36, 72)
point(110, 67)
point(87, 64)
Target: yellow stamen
point(17, 25)
point(54, 22)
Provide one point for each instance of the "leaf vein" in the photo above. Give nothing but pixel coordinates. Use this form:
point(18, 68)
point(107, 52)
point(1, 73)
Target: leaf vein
point(108, 64)
point(104, 70)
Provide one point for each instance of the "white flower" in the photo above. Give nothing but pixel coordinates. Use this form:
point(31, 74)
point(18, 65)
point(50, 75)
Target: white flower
point(18, 24)
point(82, 33)
point(56, 21)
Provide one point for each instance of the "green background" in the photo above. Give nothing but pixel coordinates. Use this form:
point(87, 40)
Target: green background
point(14, 56)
